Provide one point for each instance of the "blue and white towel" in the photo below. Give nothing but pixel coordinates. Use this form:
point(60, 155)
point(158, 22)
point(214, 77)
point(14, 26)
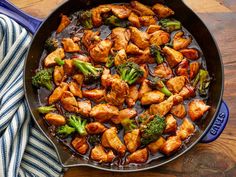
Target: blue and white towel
point(24, 151)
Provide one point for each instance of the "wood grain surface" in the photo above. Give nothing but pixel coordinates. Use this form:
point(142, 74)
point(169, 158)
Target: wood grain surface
point(217, 159)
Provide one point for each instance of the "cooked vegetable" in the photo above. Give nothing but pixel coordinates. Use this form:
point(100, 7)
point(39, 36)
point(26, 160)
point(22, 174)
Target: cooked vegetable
point(110, 61)
point(59, 61)
point(51, 44)
point(159, 84)
point(156, 53)
point(114, 21)
point(79, 124)
point(170, 25)
point(46, 109)
point(85, 18)
point(130, 72)
point(128, 124)
point(153, 130)
point(65, 130)
point(90, 72)
point(43, 78)
point(204, 79)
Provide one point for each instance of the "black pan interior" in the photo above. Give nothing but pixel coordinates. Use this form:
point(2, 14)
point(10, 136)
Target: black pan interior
point(189, 20)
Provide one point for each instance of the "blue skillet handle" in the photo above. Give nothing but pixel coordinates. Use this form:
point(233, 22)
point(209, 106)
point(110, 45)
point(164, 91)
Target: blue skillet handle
point(218, 125)
point(30, 23)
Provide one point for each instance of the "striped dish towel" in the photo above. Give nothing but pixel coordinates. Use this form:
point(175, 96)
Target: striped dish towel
point(24, 151)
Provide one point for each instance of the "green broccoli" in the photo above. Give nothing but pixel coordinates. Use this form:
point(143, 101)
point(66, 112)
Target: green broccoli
point(51, 44)
point(156, 53)
point(153, 130)
point(128, 124)
point(130, 72)
point(85, 18)
point(43, 78)
point(158, 83)
point(65, 130)
point(110, 61)
point(59, 61)
point(170, 25)
point(114, 21)
point(46, 109)
point(90, 72)
point(204, 79)
point(79, 124)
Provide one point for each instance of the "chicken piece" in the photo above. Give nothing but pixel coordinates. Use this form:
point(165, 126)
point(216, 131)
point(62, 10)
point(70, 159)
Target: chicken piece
point(58, 75)
point(97, 12)
point(139, 38)
point(173, 57)
point(95, 128)
point(90, 38)
point(85, 107)
point(120, 57)
point(50, 59)
point(144, 88)
point(194, 68)
point(75, 89)
point(153, 28)
point(141, 9)
point(121, 11)
point(171, 124)
point(155, 146)
point(171, 145)
point(133, 49)
point(65, 21)
point(197, 108)
point(182, 68)
point(132, 97)
point(55, 119)
point(80, 145)
point(178, 111)
point(187, 92)
point(163, 71)
point(180, 42)
point(120, 37)
point(69, 45)
point(134, 20)
point(159, 37)
point(176, 84)
point(98, 154)
point(127, 113)
point(104, 112)
point(132, 140)
point(186, 129)
point(191, 54)
point(100, 51)
point(152, 97)
point(57, 93)
point(144, 58)
point(106, 78)
point(110, 139)
point(118, 93)
point(68, 67)
point(139, 156)
point(69, 102)
point(147, 20)
point(96, 95)
point(162, 11)
point(79, 78)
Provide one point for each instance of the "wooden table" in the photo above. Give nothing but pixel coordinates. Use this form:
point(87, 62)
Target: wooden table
point(216, 159)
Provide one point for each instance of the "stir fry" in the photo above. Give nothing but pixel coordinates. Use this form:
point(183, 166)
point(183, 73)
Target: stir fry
point(128, 93)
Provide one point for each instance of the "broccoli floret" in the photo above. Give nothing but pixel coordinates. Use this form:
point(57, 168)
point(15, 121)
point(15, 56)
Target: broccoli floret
point(94, 139)
point(65, 130)
point(159, 84)
point(128, 124)
point(170, 25)
point(156, 53)
point(114, 21)
point(46, 109)
point(79, 124)
point(153, 130)
point(85, 18)
point(110, 61)
point(204, 79)
point(43, 78)
point(51, 44)
point(59, 61)
point(130, 72)
point(90, 72)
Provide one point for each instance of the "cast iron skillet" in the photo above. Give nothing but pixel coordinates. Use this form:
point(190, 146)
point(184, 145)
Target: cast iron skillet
point(210, 127)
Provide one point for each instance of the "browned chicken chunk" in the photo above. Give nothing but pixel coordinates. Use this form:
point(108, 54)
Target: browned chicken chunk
point(98, 154)
point(106, 79)
point(186, 129)
point(141, 9)
point(180, 42)
point(120, 57)
point(120, 37)
point(197, 108)
point(155, 146)
point(139, 156)
point(147, 20)
point(58, 75)
point(176, 84)
point(132, 140)
point(68, 67)
point(162, 11)
point(182, 68)
point(144, 88)
point(65, 21)
point(144, 58)
point(153, 28)
point(173, 57)
point(163, 71)
point(191, 54)
point(84, 107)
point(152, 97)
point(98, 11)
point(127, 113)
point(178, 111)
point(132, 97)
point(55, 119)
point(139, 38)
point(133, 49)
point(159, 37)
point(80, 144)
point(110, 139)
point(95, 128)
point(96, 95)
point(187, 92)
point(90, 38)
point(134, 20)
point(75, 89)
point(69, 102)
point(104, 112)
point(121, 11)
point(171, 124)
point(69, 45)
point(50, 59)
point(143, 67)
point(194, 68)
point(57, 93)
point(171, 145)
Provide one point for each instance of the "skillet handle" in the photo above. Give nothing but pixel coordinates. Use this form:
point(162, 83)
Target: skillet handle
point(30, 23)
point(218, 125)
